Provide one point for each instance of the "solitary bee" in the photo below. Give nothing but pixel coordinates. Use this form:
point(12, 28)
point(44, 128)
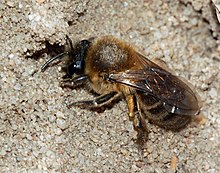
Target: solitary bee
point(114, 69)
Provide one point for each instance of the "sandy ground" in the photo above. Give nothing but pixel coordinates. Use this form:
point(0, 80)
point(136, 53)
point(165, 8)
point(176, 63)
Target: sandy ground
point(38, 133)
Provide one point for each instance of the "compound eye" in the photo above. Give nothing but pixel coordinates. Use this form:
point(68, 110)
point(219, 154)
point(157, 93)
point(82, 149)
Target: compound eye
point(71, 69)
point(76, 68)
point(78, 65)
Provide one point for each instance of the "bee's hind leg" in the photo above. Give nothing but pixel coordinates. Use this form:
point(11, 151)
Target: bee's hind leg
point(138, 120)
point(142, 135)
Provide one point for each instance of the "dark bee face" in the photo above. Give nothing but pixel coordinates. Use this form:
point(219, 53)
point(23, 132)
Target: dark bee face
point(77, 56)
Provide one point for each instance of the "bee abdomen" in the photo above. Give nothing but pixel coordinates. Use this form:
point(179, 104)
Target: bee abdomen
point(159, 115)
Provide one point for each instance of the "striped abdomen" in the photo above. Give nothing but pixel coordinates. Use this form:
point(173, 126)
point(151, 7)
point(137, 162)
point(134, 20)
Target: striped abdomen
point(153, 109)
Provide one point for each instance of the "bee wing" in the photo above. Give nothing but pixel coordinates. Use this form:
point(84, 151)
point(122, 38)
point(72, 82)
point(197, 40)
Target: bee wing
point(177, 97)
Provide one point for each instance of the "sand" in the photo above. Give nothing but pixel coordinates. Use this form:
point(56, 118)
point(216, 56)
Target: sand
point(38, 133)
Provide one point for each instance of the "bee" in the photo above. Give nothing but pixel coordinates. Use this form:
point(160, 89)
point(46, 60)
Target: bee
point(115, 70)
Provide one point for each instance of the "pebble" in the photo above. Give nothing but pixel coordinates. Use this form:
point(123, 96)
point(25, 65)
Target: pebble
point(49, 153)
point(61, 124)
point(52, 118)
point(58, 131)
point(2, 152)
point(124, 152)
point(60, 115)
point(10, 3)
point(2, 127)
point(40, 1)
point(60, 139)
point(28, 136)
point(213, 92)
point(99, 152)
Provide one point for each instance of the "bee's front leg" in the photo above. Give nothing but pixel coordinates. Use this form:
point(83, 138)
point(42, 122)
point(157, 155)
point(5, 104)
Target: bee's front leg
point(74, 82)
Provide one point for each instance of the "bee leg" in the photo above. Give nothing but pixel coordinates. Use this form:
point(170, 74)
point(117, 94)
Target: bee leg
point(142, 128)
point(97, 102)
point(142, 122)
point(132, 117)
point(74, 82)
point(138, 120)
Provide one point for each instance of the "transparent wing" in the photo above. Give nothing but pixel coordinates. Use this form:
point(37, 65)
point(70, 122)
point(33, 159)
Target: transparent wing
point(177, 97)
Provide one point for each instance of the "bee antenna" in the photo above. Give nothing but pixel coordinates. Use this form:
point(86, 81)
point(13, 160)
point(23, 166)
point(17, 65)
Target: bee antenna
point(46, 64)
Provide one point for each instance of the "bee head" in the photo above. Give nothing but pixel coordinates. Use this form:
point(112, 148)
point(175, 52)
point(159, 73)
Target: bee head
point(77, 54)
point(77, 57)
